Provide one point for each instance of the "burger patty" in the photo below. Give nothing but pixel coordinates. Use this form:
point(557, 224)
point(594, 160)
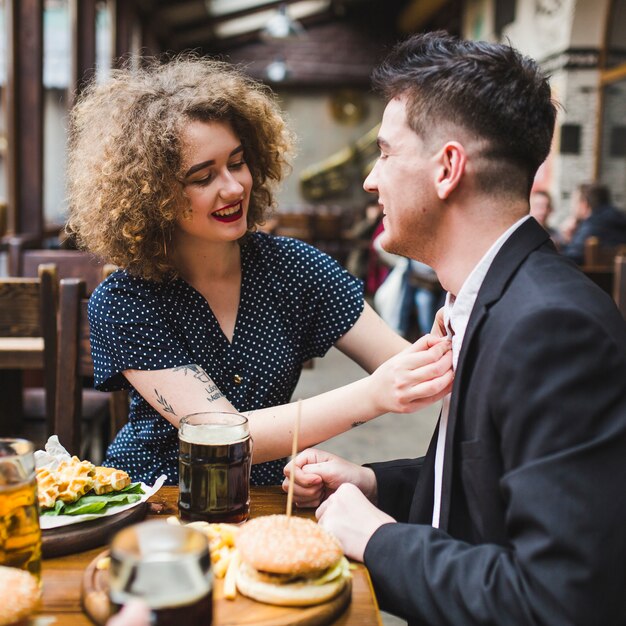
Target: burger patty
point(280, 579)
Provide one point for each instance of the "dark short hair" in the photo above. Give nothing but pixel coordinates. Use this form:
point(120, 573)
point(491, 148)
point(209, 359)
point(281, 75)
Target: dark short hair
point(489, 89)
point(595, 195)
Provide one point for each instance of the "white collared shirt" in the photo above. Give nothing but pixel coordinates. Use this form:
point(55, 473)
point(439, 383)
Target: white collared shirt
point(456, 314)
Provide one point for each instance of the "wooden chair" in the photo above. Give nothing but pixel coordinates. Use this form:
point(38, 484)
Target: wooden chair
point(24, 261)
point(329, 234)
point(597, 255)
point(599, 262)
point(73, 365)
point(69, 263)
point(619, 283)
point(27, 341)
point(298, 225)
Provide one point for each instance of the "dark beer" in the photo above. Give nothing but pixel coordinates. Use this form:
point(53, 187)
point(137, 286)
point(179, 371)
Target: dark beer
point(168, 567)
point(214, 480)
point(199, 612)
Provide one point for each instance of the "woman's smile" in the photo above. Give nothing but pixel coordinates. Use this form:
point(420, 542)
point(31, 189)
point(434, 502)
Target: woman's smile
point(230, 213)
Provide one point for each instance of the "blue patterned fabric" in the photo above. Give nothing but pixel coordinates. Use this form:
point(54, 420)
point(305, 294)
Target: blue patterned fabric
point(295, 303)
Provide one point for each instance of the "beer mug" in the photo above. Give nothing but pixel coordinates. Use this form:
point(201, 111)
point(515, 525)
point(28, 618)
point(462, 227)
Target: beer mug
point(215, 460)
point(20, 536)
point(166, 566)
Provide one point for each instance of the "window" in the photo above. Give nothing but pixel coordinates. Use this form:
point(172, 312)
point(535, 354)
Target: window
point(611, 165)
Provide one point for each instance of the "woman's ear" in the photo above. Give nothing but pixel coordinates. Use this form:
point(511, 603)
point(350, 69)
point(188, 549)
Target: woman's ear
point(451, 167)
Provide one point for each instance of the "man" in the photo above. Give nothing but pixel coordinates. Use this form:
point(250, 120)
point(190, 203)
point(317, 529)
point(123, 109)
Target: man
point(541, 206)
point(594, 217)
point(517, 513)
point(541, 209)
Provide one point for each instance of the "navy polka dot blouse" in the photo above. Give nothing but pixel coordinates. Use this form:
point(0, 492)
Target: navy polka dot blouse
point(295, 303)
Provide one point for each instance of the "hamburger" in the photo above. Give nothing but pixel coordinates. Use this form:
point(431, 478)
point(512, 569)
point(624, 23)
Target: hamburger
point(19, 595)
point(289, 561)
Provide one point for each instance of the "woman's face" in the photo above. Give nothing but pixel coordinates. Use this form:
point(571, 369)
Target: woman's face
point(217, 182)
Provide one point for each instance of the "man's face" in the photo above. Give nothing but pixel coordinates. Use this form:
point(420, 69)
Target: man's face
point(403, 179)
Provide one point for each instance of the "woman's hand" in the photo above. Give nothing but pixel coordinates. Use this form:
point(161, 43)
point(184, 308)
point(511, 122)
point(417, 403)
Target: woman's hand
point(415, 378)
point(439, 326)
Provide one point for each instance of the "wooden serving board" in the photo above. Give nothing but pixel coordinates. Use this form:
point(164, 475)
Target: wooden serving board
point(241, 611)
point(86, 535)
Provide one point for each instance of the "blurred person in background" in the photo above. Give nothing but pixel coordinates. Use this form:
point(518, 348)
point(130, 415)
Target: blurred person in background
point(592, 216)
point(363, 261)
point(411, 293)
point(541, 209)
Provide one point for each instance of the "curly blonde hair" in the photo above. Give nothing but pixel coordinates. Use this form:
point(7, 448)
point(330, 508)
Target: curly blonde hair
point(125, 154)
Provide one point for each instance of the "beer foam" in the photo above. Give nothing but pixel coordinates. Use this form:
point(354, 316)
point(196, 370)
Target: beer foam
point(216, 435)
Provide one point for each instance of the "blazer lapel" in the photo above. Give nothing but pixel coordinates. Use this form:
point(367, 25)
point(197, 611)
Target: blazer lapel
point(528, 237)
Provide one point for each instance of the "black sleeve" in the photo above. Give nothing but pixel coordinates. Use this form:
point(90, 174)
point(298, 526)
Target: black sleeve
point(395, 482)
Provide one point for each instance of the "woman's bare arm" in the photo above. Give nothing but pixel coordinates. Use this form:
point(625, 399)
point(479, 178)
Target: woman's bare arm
point(413, 378)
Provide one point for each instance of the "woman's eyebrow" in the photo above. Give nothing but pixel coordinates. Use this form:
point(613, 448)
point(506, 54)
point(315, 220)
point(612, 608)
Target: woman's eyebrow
point(200, 166)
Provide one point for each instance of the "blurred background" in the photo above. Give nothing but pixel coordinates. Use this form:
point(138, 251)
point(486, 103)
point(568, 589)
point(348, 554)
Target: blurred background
point(317, 55)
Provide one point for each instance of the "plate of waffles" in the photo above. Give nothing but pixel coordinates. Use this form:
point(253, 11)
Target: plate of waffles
point(87, 498)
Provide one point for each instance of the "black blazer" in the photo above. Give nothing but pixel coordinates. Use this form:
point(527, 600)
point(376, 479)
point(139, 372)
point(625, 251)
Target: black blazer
point(533, 511)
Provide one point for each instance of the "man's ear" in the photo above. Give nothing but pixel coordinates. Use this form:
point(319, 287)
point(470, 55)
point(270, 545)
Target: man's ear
point(451, 167)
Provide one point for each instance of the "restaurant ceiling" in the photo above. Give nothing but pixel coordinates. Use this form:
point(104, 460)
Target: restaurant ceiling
point(216, 25)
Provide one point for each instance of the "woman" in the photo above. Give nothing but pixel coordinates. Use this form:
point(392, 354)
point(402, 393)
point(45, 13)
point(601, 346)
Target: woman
point(172, 167)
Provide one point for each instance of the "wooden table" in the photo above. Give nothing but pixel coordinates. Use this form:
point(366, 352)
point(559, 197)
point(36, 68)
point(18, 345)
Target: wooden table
point(62, 576)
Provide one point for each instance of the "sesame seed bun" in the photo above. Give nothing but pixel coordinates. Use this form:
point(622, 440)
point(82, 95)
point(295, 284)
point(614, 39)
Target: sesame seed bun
point(289, 561)
point(19, 595)
point(287, 545)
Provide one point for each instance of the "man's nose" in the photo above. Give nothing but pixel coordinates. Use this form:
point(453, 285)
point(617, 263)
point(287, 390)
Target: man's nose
point(370, 184)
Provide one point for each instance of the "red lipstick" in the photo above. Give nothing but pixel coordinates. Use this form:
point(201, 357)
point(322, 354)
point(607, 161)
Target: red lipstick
point(232, 217)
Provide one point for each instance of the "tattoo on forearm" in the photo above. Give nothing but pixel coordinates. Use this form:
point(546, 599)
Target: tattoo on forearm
point(355, 424)
point(197, 372)
point(167, 407)
point(213, 393)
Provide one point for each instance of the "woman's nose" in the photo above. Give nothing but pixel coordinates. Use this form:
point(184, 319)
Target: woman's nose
point(231, 187)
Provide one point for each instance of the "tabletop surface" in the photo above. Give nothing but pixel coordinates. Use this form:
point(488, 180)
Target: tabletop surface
point(62, 576)
point(21, 352)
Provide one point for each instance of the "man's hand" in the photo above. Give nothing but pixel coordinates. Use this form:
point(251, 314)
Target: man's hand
point(352, 518)
point(318, 474)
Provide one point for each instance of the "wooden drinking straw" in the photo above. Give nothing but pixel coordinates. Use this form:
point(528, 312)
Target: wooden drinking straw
point(294, 451)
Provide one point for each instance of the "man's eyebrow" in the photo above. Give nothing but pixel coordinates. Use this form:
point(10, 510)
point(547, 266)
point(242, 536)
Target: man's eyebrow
point(200, 166)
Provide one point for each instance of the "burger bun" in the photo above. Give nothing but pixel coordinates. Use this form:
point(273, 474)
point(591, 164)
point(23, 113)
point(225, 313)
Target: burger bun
point(19, 595)
point(290, 594)
point(289, 561)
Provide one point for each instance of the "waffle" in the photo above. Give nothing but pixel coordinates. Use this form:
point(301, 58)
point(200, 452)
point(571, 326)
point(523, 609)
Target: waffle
point(109, 479)
point(68, 482)
point(74, 478)
point(47, 488)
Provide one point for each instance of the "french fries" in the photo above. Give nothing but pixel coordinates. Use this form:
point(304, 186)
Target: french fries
point(221, 545)
point(230, 580)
